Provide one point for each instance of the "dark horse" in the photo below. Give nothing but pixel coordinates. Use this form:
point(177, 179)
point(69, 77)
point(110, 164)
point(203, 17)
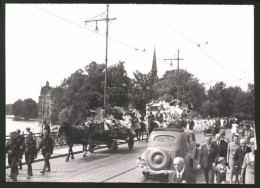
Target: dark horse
point(75, 135)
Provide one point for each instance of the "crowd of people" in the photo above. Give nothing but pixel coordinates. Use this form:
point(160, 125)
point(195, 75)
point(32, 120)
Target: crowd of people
point(216, 157)
point(19, 145)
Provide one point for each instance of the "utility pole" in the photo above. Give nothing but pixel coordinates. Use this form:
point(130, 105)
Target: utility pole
point(178, 59)
point(107, 19)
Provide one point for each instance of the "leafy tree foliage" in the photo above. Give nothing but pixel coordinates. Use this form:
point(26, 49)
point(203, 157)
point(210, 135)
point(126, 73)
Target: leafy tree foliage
point(18, 108)
point(191, 91)
point(27, 109)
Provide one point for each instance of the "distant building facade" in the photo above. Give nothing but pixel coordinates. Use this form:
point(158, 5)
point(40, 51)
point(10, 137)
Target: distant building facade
point(45, 102)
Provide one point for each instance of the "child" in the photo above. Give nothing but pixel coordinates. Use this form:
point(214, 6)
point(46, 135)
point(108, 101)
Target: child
point(221, 170)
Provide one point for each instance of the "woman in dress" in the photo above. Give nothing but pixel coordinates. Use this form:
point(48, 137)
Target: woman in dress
point(230, 155)
point(248, 166)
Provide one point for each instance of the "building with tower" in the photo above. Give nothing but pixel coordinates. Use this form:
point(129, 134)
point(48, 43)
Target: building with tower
point(45, 102)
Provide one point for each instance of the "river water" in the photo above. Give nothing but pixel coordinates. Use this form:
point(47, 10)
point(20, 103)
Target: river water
point(13, 125)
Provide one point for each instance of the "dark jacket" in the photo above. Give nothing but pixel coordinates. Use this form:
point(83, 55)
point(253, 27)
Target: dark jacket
point(13, 148)
point(222, 148)
point(191, 124)
point(47, 127)
point(239, 156)
point(206, 158)
point(30, 147)
point(159, 117)
point(187, 176)
point(46, 145)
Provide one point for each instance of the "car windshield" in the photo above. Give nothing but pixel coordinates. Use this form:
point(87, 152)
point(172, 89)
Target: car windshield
point(165, 138)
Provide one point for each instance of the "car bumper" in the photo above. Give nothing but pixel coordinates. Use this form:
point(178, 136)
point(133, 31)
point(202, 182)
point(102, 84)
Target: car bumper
point(145, 168)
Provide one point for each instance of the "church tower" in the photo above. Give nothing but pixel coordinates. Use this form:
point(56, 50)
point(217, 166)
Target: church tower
point(154, 66)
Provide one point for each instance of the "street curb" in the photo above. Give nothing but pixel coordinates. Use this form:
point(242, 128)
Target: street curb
point(63, 155)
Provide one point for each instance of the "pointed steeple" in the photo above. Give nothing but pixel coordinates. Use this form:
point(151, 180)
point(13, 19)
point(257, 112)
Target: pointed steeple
point(154, 66)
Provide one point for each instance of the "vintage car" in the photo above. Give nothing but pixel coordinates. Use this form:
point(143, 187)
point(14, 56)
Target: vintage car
point(164, 145)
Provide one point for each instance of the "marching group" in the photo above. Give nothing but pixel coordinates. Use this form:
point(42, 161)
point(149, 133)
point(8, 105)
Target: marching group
point(19, 145)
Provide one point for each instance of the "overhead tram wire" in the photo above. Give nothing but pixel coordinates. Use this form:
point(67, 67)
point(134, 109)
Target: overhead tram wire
point(83, 27)
point(195, 44)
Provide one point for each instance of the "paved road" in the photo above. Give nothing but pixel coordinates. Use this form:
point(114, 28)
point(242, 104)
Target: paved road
point(100, 166)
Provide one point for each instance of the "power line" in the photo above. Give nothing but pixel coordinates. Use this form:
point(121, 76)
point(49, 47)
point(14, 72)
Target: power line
point(195, 44)
point(103, 35)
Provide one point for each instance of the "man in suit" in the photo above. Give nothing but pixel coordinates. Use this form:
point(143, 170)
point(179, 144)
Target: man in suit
point(222, 148)
point(208, 156)
point(221, 145)
point(239, 158)
point(180, 175)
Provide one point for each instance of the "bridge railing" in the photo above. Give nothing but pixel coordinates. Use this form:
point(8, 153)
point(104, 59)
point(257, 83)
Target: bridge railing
point(59, 141)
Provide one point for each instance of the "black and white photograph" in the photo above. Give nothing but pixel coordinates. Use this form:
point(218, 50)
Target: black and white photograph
point(130, 93)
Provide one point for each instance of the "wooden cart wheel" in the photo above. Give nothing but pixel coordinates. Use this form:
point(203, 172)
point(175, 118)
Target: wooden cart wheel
point(114, 146)
point(109, 145)
point(131, 143)
point(91, 148)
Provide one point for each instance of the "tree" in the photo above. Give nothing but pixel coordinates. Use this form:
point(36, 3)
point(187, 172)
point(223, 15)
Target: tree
point(26, 109)
point(18, 108)
point(30, 109)
point(191, 91)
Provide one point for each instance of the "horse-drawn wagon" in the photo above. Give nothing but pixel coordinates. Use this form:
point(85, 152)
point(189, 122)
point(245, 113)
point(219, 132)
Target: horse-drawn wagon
point(108, 131)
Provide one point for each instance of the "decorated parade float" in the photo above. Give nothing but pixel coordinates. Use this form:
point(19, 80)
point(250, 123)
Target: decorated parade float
point(118, 124)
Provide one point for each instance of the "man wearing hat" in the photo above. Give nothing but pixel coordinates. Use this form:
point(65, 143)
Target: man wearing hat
point(46, 144)
point(12, 148)
point(30, 153)
point(28, 129)
point(239, 158)
point(21, 149)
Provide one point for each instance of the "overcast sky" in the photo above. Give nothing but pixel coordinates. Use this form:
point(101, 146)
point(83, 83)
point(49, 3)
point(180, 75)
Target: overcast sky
point(51, 41)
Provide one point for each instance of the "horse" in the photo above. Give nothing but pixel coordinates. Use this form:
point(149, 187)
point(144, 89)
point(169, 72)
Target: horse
point(75, 135)
point(143, 130)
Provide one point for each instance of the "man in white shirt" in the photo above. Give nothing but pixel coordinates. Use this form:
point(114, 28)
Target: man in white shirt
point(180, 175)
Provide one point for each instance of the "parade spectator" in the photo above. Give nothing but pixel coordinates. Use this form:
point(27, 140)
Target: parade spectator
point(12, 148)
point(208, 156)
point(221, 145)
point(21, 149)
point(191, 124)
point(234, 129)
point(46, 144)
point(248, 134)
point(232, 147)
point(28, 130)
point(46, 126)
point(248, 166)
point(221, 170)
point(30, 153)
point(180, 175)
point(159, 116)
point(222, 134)
point(150, 117)
point(239, 158)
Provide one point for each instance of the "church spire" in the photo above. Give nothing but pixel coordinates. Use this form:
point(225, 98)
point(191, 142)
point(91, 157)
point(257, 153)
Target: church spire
point(154, 66)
